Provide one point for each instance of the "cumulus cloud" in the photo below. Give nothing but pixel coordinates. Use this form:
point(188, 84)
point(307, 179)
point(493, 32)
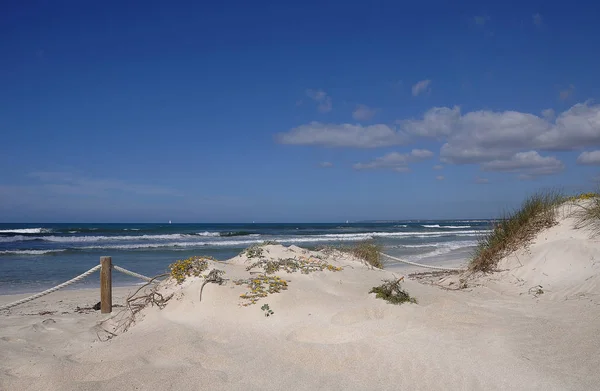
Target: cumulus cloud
point(326, 164)
point(421, 87)
point(481, 181)
point(324, 103)
point(440, 178)
point(492, 139)
point(483, 136)
point(529, 164)
point(396, 161)
point(343, 135)
point(548, 114)
point(538, 20)
point(591, 158)
point(363, 113)
point(438, 167)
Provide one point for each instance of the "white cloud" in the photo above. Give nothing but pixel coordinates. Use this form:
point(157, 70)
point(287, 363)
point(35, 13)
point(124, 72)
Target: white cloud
point(567, 92)
point(343, 135)
point(549, 114)
point(530, 164)
point(363, 113)
point(481, 181)
point(438, 167)
point(326, 164)
point(538, 20)
point(420, 87)
point(323, 100)
point(483, 136)
point(437, 122)
point(591, 158)
point(440, 178)
point(396, 161)
point(475, 137)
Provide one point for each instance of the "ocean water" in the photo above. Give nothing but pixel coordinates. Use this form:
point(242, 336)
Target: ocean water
point(34, 257)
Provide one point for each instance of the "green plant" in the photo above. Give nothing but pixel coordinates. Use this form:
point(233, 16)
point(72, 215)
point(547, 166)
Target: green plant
point(254, 251)
point(392, 292)
point(290, 265)
point(369, 251)
point(516, 229)
point(587, 213)
point(261, 286)
point(193, 266)
point(268, 311)
point(269, 243)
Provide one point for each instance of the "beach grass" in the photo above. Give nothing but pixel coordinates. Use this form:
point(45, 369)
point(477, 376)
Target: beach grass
point(587, 213)
point(369, 251)
point(516, 228)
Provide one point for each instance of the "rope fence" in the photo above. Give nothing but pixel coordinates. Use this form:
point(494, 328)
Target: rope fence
point(73, 281)
point(51, 290)
point(425, 266)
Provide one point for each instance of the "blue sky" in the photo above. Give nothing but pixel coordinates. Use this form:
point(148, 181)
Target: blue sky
point(293, 111)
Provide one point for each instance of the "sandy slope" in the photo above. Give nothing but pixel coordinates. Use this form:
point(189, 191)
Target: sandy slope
point(329, 333)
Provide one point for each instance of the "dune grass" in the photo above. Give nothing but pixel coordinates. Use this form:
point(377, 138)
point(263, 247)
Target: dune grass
point(515, 229)
point(369, 251)
point(587, 213)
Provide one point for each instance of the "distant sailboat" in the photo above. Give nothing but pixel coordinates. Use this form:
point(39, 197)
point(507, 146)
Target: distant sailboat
point(346, 221)
point(169, 221)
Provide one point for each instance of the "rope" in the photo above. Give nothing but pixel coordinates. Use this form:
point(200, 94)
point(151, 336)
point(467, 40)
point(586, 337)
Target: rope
point(133, 274)
point(421, 265)
point(48, 291)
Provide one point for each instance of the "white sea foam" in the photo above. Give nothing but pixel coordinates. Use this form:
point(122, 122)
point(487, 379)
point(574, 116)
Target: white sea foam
point(431, 226)
point(16, 238)
point(209, 234)
point(30, 252)
point(85, 239)
point(25, 231)
point(456, 226)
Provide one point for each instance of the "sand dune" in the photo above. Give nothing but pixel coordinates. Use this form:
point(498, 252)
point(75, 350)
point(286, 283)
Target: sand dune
point(328, 333)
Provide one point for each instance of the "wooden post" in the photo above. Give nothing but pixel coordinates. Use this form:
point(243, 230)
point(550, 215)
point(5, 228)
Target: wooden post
point(106, 285)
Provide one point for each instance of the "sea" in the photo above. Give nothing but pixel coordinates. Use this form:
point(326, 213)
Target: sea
point(34, 257)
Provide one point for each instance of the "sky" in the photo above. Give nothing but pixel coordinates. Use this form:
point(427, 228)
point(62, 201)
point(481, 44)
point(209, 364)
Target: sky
point(237, 111)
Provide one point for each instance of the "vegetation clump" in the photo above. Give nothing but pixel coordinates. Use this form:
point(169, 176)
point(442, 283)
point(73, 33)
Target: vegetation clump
point(267, 310)
point(291, 265)
point(193, 266)
point(261, 286)
point(369, 251)
point(587, 214)
point(583, 196)
point(516, 229)
point(392, 292)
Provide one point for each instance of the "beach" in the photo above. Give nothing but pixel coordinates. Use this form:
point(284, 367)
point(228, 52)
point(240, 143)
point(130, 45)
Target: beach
point(327, 332)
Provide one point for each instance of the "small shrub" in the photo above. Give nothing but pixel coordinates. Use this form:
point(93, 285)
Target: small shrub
point(254, 251)
point(291, 265)
point(269, 243)
point(392, 292)
point(267, 310)
point(516, 229)
point(369, 251)
point(261, 286)
point(193, 266)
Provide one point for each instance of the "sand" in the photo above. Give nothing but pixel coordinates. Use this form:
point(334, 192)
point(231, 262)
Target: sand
point(328, 333)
